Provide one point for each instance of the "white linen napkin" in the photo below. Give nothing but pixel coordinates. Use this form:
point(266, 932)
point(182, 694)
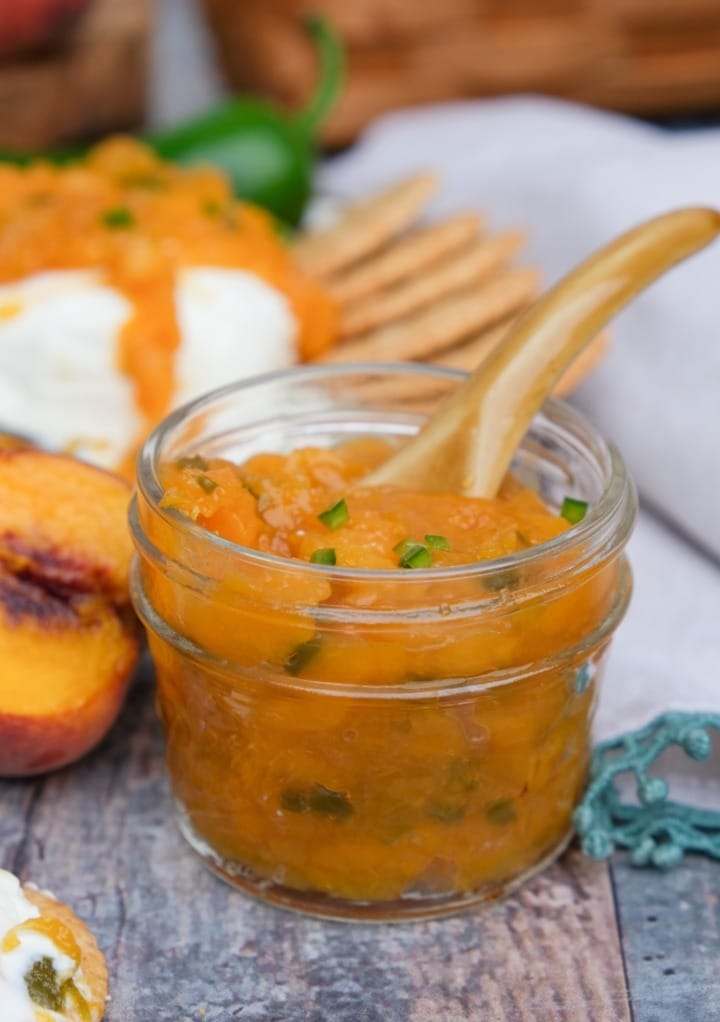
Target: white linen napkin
point(577, 177)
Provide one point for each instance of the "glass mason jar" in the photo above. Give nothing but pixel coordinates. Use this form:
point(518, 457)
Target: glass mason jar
point(370, 744)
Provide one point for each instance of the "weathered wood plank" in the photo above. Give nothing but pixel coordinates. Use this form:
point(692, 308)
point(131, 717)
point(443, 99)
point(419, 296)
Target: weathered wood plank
point(671, 936)
point(182, 946)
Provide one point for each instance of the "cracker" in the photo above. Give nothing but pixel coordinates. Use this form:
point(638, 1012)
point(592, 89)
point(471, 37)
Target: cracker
point(456, 274)
point(468, 355)
point(444, 324)
point(364, 227)
point(404, 390)
point(422, 391)
point(94, 970)
point(465, 357)
point(405, 258)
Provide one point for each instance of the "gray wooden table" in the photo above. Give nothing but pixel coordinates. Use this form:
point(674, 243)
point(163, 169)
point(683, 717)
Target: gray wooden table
point(582, 942)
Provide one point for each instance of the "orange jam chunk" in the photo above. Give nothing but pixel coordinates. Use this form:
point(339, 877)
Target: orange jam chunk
point(272, 503)
point(288, 754)
point(59, 934)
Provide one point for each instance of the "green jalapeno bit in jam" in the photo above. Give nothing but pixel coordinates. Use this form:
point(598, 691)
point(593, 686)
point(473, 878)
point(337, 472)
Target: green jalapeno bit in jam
point(206, 484)
point(501, 812)
point(573, 510)
point(118, 218)
point(324, 556)
point(437, 542)
point(317, 799)
point(302, 655)
point(335, 516)
point(192, 461)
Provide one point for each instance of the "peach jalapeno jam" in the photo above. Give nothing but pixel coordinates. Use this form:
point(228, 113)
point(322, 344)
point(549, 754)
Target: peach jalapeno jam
point(377, 703)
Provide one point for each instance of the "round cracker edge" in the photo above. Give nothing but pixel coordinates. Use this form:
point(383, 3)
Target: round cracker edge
point(92, 961)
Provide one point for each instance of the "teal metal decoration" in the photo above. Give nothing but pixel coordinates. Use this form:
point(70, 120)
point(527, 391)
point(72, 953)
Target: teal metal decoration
point(655, 831)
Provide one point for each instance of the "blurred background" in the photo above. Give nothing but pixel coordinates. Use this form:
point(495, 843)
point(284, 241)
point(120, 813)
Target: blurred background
point(74, 69)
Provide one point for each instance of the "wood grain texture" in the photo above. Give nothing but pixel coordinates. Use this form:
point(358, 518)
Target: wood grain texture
point(182, 946)
point(92, 84)
point(671, 939)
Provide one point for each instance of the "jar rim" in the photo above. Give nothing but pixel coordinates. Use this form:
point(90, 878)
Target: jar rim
point(602, 512)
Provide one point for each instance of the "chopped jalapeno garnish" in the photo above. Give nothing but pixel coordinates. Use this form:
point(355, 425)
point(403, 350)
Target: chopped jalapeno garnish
point(330, 803)
point(324, 556)
point(573, 511)
point(501, 812)
point(206, 483)
point(416, 556)
point(121, 216)
point(302, 655)
point(43, 986)
point(192, 461)
point(293, 801)
point(317, 799)
point(404, 545)
point(502, 580)
point(336, 516)
point(437, 542)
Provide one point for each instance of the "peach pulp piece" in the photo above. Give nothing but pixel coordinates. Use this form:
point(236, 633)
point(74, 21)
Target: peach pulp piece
point(68, 640)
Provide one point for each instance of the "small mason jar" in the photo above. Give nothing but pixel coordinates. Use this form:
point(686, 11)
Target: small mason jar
point(366, 744)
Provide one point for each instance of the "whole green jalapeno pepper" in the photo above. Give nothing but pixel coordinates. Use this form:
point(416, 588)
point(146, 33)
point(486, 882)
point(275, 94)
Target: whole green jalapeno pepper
point(268, 155)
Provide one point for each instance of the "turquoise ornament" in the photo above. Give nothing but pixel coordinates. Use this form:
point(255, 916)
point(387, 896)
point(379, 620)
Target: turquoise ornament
point(655, 831)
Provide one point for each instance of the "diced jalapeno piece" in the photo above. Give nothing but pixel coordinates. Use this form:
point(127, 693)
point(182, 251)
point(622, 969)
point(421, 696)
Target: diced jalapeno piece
point(437, 542)
point(119, 217)
point(501, 812)
point(302, 655)
point(573, 511)
point(193, 461)
point(324, 556)
point(502, 580)
point(317, 799)
point(330, 803)
point(336, 516)
point(416, 556)
point(206, 484)
point(43, 986)
point(294, 801)
point(403, 546)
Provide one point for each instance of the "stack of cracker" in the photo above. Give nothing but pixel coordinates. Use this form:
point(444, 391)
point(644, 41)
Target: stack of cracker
point(444, 293)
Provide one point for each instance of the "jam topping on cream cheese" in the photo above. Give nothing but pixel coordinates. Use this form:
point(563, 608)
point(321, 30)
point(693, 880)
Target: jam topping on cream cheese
point(39, 958)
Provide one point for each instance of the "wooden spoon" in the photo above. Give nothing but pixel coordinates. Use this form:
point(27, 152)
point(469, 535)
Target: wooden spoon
point(469, 442)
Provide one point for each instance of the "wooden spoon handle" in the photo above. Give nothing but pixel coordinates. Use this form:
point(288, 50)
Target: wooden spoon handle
point(468, 444)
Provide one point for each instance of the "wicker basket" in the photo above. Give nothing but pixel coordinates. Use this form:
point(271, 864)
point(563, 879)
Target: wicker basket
point(92, 83)
point(642, 56)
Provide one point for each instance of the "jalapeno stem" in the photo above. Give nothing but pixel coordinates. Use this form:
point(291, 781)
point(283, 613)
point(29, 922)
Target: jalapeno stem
point(331, 58)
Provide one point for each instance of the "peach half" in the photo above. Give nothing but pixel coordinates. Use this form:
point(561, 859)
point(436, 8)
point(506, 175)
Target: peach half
point(68, 638)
